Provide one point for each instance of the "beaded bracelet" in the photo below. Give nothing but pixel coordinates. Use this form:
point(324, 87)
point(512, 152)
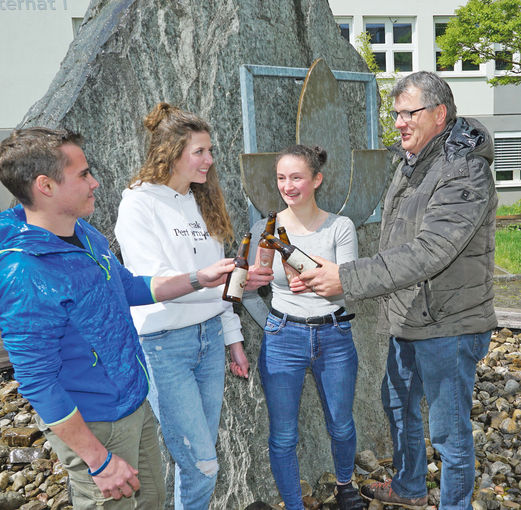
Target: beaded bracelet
point(102, 467)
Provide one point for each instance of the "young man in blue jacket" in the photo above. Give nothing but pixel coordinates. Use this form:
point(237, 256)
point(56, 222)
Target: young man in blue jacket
point(66, 324)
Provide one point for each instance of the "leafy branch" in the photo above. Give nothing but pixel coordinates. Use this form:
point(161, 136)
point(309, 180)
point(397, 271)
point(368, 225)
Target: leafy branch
point(476, 30)
point(385, 84)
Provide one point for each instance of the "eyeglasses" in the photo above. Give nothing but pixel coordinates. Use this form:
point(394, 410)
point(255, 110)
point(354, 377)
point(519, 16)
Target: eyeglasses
point(406, 115)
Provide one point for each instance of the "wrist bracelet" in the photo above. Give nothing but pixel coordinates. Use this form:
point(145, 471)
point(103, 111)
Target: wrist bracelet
point(194, 281)
point(102, 467)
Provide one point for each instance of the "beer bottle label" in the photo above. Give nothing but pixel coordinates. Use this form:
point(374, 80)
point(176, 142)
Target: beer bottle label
point(290, 272)
point(237, 282)
point(264, 257)
point(301, 262)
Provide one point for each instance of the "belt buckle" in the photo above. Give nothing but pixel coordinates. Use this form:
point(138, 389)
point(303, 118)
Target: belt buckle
point(314, 321)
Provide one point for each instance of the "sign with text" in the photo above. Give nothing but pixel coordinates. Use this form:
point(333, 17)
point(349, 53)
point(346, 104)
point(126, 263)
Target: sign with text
point(32, 5)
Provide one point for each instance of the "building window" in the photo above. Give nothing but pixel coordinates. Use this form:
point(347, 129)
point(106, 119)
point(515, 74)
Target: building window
point(439, 29)
point(465, 66)
point(403, 61)
point(379, 58)
point(441, 68)
point(344, 30)
point(503, 61)
point(506, 60)
point(507, 157)
point(346, 27)
point(377, 32)
point(393, 41)
point(402, 33)
point(76, 23)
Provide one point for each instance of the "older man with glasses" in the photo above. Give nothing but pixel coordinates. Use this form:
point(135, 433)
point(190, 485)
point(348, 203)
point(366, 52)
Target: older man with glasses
point(434, 273)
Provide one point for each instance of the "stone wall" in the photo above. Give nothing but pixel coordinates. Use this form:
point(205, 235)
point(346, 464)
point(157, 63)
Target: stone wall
point(129, 55)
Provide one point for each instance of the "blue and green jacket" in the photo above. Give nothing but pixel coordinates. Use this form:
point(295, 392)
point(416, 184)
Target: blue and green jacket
point(65, 322)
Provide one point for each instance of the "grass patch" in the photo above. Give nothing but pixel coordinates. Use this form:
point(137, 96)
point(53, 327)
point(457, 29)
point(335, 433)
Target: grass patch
point(508, 248)
point(509, 210)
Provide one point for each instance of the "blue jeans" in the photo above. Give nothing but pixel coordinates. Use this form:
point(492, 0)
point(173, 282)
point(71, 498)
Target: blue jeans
point(288, 349)
point(186, 369)
point(444, 370)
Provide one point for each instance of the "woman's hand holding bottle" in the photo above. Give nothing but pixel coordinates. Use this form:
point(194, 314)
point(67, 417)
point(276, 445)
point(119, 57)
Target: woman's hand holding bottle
point(216, 274)
point(258, 276)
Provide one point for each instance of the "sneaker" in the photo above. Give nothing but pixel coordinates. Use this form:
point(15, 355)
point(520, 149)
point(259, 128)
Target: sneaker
point(347, 497)
point(383, 492)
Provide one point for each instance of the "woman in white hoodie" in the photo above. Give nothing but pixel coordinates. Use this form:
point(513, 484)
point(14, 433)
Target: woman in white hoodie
point(173, 220)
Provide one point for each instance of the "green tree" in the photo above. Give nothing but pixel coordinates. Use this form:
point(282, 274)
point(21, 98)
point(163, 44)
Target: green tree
point(475, 30)
point(389, 133)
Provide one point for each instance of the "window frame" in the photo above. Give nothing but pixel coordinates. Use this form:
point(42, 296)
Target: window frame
point(346, 20)
point(516, 172)
point(516, 57)
point(458, 66)
point(76, 24)
point(389, 48)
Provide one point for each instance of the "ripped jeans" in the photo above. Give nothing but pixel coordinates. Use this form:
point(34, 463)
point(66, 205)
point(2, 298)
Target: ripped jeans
point(186, 369)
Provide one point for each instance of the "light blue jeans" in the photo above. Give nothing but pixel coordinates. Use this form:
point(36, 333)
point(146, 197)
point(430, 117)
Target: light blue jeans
point(186, 368)
point(444, 370)
point(288, 349)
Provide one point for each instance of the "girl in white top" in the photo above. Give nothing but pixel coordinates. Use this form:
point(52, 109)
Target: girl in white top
point(304, 330)
point(173, 220)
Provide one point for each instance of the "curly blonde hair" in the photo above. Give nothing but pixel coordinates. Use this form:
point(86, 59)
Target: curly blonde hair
point(171, 128)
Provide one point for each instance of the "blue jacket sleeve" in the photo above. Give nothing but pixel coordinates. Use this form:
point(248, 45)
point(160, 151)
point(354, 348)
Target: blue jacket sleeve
point(138, 289)
point(32, 322)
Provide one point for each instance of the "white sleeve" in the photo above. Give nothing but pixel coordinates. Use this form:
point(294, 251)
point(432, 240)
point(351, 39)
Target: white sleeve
point(231, 326)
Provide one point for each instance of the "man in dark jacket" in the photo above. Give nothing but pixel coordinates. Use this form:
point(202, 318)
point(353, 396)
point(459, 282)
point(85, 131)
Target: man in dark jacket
point(434, 271)
point(66, 324)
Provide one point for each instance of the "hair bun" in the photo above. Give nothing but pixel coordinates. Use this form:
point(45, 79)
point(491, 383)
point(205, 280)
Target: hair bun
point(321, 154)
point(159, 112)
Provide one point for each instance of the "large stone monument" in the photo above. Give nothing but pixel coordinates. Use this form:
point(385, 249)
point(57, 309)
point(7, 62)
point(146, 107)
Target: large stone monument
point(130, 54)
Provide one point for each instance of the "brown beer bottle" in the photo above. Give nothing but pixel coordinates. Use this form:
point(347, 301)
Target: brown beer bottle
point(265, 252)
point(296, 258)
point(290, 272)
point(236, 280)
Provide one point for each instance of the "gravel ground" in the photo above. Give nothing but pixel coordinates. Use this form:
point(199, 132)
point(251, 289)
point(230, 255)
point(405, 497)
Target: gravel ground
point(507, 293)
point(32, 478)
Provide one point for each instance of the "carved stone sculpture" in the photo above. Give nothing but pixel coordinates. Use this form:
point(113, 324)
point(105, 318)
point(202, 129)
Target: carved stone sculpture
point(131, 54)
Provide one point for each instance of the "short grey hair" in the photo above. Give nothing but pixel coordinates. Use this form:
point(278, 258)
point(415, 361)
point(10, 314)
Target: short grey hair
point(434, 91)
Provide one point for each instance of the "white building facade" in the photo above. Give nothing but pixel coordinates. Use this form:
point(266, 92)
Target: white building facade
point(403, 37)
point(34, 37)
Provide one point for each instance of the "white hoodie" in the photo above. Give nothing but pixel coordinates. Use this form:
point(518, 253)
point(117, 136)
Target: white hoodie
point(162, 233)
